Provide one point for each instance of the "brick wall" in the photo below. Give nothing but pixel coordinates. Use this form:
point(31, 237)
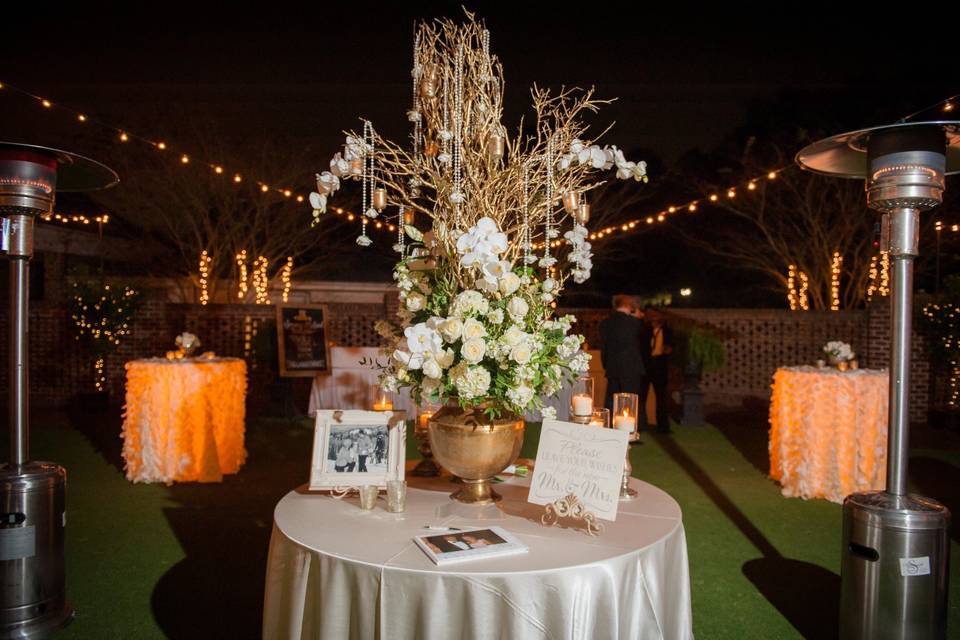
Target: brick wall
point(59, 370)
point(758, 341)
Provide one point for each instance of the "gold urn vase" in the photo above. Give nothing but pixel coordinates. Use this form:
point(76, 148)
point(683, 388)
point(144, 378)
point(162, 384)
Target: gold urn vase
point(474, 448)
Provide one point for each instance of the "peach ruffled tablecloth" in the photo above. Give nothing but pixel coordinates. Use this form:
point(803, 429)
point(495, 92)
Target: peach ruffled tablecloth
point(828, 431)
point(336, 572)
point(184, 419)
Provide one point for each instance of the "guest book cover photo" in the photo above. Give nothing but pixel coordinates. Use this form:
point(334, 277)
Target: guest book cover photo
point(455, 545)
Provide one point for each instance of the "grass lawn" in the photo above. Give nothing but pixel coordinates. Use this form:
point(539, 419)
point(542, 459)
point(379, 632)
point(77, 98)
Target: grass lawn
point(187, 561)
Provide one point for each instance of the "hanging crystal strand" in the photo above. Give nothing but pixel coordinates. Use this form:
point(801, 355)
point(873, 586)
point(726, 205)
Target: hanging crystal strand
point(486, 56)
point(368, 183)
point(416, 116)
point(401, 234)
point(457, 196)
point(548, 227)
point(527, 236)
point(445, 134)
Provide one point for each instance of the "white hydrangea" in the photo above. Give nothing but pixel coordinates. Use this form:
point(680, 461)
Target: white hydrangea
point(569, 347)
point(495, 316)
point(580, 363)
point(470, 302)
point(548, 413)
point(520, 395)
point(471, 382)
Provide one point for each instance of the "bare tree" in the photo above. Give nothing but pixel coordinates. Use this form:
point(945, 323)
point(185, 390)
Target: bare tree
point(190, 207)
point(795, 218)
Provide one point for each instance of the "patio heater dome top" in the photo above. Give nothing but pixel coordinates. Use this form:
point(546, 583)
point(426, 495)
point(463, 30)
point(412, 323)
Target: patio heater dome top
point(74, 172)
point(845, 155)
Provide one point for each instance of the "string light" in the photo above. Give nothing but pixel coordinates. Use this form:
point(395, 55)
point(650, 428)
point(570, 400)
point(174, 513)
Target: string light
point(237, 178)
point(78, 218)
point(205, 263)
point(285, 277)
point(99, 380)
point(125, 135)
point(884, 289)
point(835, 266)
point(242, 280)
point(804, 286)
point(260, 282)
point(792, 297)
point(878, 277)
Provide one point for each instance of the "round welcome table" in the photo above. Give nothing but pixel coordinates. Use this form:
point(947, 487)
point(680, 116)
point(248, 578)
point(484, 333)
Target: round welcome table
point(184, 419)
point(336, 571)
point(828, 431)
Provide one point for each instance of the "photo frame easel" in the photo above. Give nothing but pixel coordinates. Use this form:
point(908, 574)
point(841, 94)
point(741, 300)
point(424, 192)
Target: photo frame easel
point(346, 449)
point(303, 346)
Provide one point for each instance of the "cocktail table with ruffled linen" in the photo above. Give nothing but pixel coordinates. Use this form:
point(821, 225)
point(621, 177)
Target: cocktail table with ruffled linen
point(828, 431)
point(184, 419)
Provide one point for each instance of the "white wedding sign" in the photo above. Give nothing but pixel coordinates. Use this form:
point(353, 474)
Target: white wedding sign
point(582, 460)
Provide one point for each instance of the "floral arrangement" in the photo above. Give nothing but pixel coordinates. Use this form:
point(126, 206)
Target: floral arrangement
point(187, 343)
point(475, 328)
point(839, 351)
point(508, 225)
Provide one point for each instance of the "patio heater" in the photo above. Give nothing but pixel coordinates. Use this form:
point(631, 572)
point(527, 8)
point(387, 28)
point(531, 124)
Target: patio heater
point(895, 545)
point(32, 517)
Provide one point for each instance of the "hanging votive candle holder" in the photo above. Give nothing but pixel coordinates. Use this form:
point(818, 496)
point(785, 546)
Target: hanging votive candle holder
point(583, 214)
point(409, 216)
point(571, 201)
point(380, 199)
point(495, 146)
point(600, 418)
point(581, 400)
point(625, 412)
point(356, 166)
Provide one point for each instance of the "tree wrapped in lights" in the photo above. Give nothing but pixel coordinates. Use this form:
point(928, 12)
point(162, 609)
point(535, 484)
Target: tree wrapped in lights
point(103, 317)
point(940, 320)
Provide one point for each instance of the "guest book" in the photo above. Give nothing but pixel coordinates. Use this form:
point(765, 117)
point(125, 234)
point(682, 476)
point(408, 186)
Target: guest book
point(456, 545)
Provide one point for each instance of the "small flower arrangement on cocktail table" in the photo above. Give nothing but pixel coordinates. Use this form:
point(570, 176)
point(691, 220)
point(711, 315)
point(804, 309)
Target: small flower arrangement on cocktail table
point(187, 343)
point(840, 355)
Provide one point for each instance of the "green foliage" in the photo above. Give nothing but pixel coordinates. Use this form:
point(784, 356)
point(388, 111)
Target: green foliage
point(940, 321)
point(102, 314)
point(705, 349)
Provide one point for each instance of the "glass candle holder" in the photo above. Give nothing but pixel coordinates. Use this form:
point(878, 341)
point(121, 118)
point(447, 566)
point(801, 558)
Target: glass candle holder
point(368, 496)
point(581, 398)
point(382, 400)
point(396, 496)
point(600, 418)
point(625, 411)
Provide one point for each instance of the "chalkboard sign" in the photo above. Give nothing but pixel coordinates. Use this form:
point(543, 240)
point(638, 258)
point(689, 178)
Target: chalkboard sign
point(302, 340)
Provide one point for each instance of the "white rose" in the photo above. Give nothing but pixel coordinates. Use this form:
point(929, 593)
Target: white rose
point(517, 308)
point(416, 301)
point(431, 369)
point(521, 353)
point(514, 336)
point(473, 329)
point(549, 284)
point(473, 350)
point(445, 358)
point(451, 329)
point(509, 283)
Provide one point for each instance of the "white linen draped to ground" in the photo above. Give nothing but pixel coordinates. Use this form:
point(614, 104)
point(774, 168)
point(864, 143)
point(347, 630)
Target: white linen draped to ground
point(335, 572)
point(184, 419)
point(828, 431)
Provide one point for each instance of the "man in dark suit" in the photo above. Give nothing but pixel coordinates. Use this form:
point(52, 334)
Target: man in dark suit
point(620, 350)
point(656, 345)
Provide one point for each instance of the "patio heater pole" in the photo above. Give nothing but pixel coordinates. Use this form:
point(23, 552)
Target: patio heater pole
point(33, 599)
point(894, 569)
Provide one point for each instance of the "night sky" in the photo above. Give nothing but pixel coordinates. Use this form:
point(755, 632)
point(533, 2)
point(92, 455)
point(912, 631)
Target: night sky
point(686, 81)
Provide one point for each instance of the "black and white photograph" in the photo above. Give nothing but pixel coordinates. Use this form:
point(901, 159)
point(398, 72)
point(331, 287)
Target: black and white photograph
point(353, 449)
point(455, 545)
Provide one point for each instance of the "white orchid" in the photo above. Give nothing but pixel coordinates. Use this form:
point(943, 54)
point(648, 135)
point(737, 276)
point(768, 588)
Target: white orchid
point(327, 182)
point(338, 166)
point(423, 339)
point(482, 243)
point(319, 203)
point(444, 158)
